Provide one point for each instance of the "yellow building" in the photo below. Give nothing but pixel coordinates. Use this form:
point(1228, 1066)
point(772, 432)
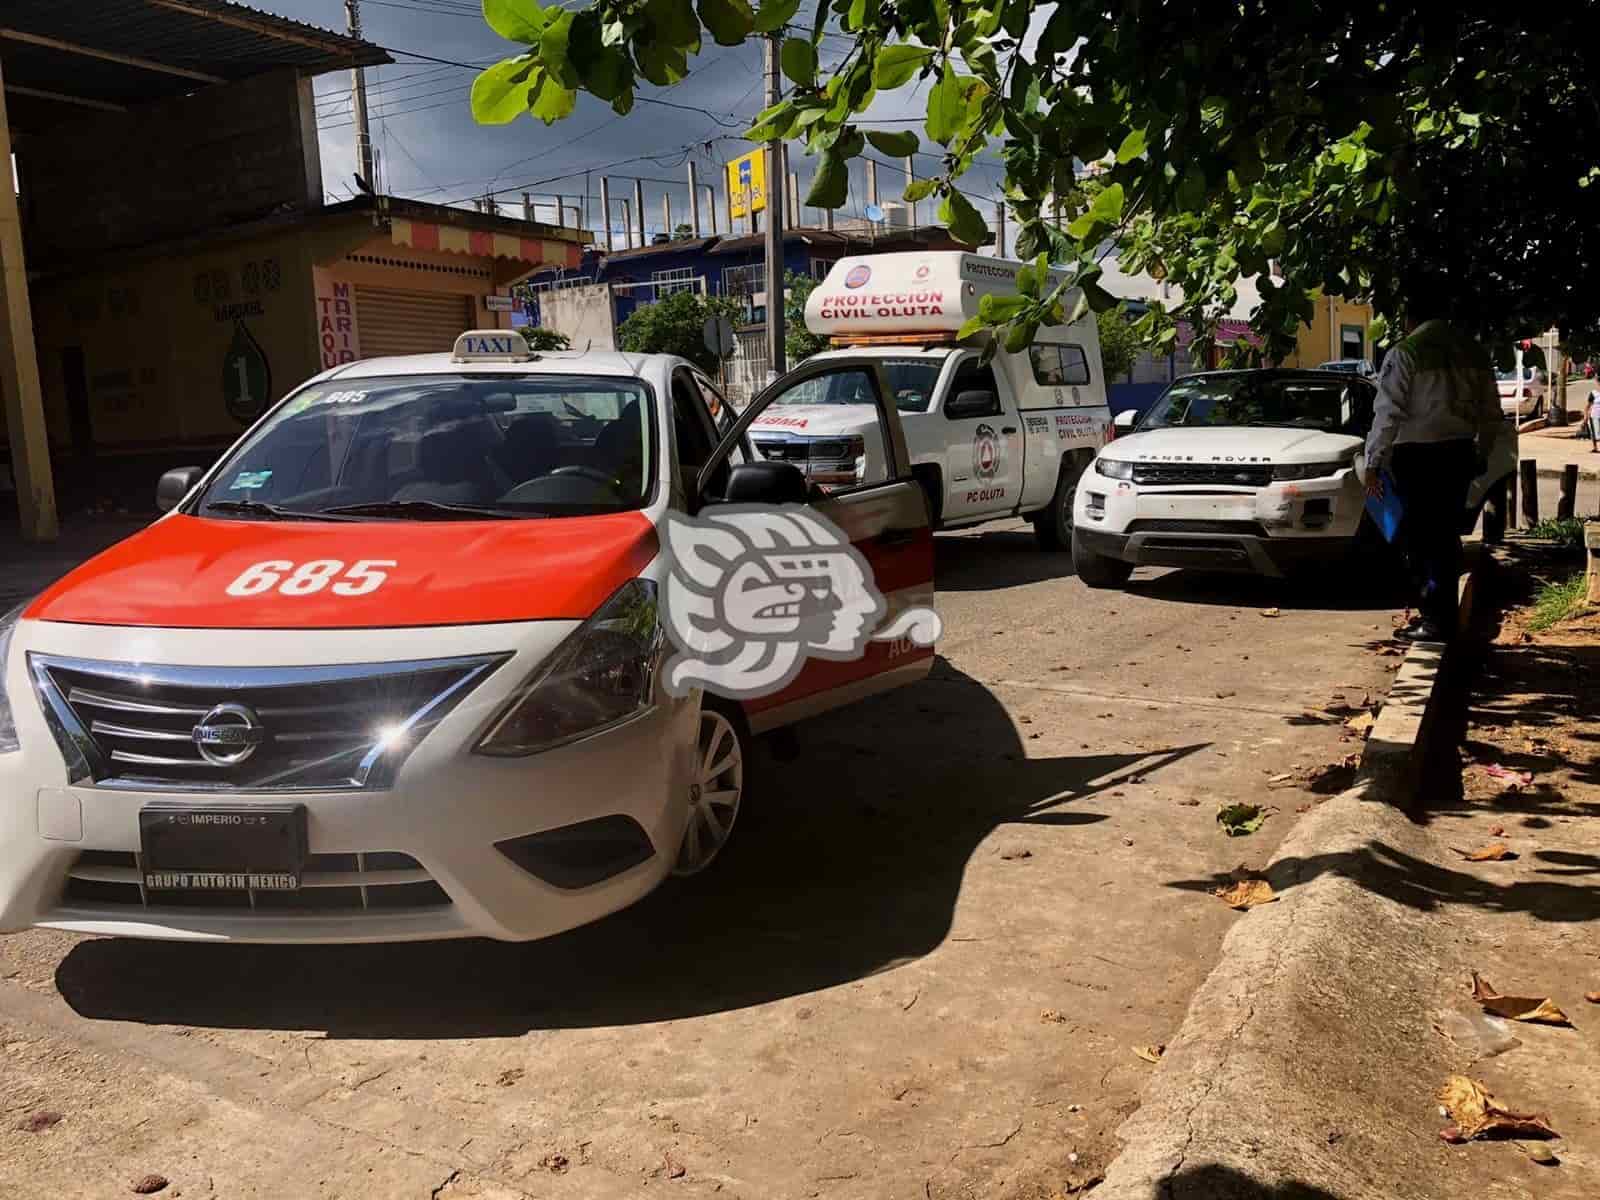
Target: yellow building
point(177, 347)
point(1337, 329)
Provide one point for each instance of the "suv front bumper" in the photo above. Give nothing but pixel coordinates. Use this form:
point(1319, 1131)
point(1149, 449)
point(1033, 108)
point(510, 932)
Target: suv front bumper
point(1214, 550)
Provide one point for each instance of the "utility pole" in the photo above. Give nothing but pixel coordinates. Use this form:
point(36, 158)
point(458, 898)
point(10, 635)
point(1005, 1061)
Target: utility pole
point(527, 207)
point(872, 182)
point(358, 90)
point(694, 202)
point(911, 177)
point(627, 224)
point(666, 213)
point(605, 208)
point(711, 207)
point(638, 209)
point(775, 190)
point(1000, 243)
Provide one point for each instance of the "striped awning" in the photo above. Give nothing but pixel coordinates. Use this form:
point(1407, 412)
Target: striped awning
point(424, 235)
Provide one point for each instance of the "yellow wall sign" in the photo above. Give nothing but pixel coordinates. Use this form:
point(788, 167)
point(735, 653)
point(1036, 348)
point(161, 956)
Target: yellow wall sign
point(747, 183)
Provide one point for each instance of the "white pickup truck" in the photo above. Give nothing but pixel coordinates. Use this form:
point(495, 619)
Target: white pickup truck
point(986, 440)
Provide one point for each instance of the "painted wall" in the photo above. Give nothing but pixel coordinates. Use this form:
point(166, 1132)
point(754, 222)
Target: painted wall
point(1319, 339)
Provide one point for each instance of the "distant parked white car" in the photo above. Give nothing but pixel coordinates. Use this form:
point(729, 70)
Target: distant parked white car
point(1350, 366)
point(1522, 393)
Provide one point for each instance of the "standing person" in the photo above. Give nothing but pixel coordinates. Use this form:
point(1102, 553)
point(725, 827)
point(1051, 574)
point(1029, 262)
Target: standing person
point(1591, 418)
point(1436, 418)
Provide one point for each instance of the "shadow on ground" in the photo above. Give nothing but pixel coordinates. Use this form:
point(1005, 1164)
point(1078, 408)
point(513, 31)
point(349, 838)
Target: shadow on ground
point(847, 862)
point(1223, 1183)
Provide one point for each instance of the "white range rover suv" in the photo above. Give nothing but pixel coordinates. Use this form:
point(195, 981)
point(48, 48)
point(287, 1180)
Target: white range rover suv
point(1240, 471)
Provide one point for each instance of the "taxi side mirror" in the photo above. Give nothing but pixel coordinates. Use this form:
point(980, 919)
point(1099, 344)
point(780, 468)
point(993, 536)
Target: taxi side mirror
point(175, 485)
point(766, 483)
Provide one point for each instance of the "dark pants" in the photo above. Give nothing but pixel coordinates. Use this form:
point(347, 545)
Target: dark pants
point(1432, 480)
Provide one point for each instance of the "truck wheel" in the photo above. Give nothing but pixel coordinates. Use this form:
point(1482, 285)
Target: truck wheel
point(1052, 525)
point(716, 785)
point(1097, 570)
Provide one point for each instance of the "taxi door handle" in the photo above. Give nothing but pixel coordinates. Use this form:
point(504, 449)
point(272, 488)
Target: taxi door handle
point(1008, 429)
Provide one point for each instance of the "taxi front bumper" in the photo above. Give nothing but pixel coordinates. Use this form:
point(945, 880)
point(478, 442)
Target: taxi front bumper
point(460, 845)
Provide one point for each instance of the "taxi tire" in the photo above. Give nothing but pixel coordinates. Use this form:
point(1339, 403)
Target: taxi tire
point(1052, 526)
point(732, 715)
point(1098, 570)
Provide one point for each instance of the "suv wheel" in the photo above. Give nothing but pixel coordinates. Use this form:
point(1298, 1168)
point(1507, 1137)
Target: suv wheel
point(1097, 570)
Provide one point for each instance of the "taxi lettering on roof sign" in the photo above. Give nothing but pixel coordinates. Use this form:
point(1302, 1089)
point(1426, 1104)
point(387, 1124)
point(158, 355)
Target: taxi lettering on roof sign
point(491, 345)
point(447, 645)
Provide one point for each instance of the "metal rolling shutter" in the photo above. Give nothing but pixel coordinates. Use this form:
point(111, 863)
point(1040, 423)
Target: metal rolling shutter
point(392, 321)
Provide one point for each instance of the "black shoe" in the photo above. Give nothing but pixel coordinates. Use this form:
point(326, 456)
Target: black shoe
point(1422, 631)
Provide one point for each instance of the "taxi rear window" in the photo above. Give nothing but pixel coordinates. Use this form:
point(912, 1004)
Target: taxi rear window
point(438, 447)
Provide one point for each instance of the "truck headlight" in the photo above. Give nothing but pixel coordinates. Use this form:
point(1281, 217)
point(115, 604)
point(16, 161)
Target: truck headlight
point(838, 449)
point(1113, 468)
point(1318, 470)
point(602, 675)
point(8, 724)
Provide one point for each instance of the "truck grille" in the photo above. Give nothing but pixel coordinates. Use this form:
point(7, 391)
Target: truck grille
point(331, 882)
point(269, 729)
point(1221, 474)
point(783, 449)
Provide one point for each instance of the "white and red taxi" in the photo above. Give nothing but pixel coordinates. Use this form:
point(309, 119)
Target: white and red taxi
point(390, 669)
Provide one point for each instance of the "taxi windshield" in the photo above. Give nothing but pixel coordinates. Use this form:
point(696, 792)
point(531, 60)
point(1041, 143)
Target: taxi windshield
point(441, 447)
point(1330, 405)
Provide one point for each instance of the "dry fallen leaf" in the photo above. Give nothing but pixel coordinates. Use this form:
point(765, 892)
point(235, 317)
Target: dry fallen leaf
point(149, 1185)
point(1539, 1152)
point(1150, 1054)
point(1051, 1017)
point(1271, 612)
point(1493, 852)
point(1477, 1113)
point(1361, 723)
point(1517, 1008)
point(1497, 831)
point(1592, 997)
point(1246, 893)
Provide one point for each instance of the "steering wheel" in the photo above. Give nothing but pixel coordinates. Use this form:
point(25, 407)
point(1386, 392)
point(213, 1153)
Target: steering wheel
point(594, 473)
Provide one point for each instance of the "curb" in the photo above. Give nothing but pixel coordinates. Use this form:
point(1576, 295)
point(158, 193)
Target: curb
point(1306, 1050)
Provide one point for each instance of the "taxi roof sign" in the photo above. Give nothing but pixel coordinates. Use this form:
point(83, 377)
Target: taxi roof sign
point(491, 345)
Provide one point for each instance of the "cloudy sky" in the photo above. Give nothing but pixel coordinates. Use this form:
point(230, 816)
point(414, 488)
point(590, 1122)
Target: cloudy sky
point(431, 149)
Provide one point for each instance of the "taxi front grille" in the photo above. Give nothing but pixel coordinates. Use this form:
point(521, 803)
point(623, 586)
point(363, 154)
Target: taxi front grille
point(261, 729)
point(1219, 474)
point(382, 881)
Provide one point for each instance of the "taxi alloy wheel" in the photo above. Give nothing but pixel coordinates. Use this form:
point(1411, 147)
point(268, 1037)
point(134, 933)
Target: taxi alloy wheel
point(714, 791)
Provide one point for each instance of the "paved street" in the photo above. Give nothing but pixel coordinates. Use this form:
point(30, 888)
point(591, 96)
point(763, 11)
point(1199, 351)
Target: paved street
point(920, 972)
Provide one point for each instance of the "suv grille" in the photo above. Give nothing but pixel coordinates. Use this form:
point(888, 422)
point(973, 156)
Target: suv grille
point(1223, 474)
point(385, 880)
point(323, 728)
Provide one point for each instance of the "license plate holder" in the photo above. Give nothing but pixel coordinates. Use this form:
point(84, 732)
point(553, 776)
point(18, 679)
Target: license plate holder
point(222, 847)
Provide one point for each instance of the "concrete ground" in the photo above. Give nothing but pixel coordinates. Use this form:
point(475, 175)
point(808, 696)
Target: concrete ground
point(920, 972)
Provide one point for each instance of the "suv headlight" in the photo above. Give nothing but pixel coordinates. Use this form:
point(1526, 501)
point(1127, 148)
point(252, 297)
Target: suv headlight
point(8, 725)
point(1113, 468)
point(603, 674)
point(1317, 470)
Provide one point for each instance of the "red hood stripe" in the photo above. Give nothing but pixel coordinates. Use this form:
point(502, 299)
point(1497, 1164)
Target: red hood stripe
point(177, 572)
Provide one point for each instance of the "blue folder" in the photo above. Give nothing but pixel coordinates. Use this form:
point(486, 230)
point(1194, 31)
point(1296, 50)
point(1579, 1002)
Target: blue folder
point(1386, 510)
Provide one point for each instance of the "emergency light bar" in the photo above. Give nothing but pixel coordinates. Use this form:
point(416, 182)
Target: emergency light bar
point(491, 345)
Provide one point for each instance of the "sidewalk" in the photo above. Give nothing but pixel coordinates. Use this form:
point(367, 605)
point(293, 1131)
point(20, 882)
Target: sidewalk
point(1556, 448)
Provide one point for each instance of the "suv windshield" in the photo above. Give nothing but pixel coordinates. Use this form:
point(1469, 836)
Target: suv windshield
point(441, 447)
point(1331, 405)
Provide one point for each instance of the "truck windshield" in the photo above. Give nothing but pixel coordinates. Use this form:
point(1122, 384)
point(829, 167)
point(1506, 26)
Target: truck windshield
point(911, 383)
point(443, 447)
point(1333, 406)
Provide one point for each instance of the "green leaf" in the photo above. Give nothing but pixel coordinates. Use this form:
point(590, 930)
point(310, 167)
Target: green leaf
point(660, 63)
point(898, 63)
point(799, 60)
point(500, 92)
point(819, 22)
point(994, 307)
point(730, 21)
point(1028, 281)
point(947, 107)
point(1192, 189)
point(980, 60)
point(516, 20)
point(896, 144)
point(986, 21)
point(1020, 336)
point(970, 328)
point(553, 49)
point(920, 189)
point(1237, 820)
point(964, 221)
point(775, 14)
point(552, 101)
point(1132, 146)
point(1102, 216)
point(1272, 238)
point(1057, 37)
point(772, 122)
point(831, 184)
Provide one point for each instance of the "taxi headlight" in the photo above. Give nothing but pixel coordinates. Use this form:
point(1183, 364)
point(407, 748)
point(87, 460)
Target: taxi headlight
point(1112, 468)
point(8, 726)
point(603, 674)
point(1317, 470)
